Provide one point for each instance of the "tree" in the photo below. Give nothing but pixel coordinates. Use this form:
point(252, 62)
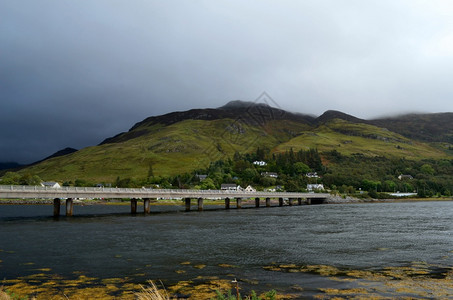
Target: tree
point(427, 169)
point(301, 168)
point(207, 184)
point(249, 175)
point(150, 170)
point(10, 178)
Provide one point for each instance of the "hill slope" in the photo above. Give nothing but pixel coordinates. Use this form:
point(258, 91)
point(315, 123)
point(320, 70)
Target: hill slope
point(185, 141)
point(368, 140)
point(424, 127)
point(175, 143)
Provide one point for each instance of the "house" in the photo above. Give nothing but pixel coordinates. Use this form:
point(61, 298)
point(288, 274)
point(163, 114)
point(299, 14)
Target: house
point(51, 184)
point(312, 175)
point(259, 163)
point(315, 187)
point(398, 194)
point(402, 176)
point(229, 187)
point(249, 188)
point(201, 177)
point(269, 174)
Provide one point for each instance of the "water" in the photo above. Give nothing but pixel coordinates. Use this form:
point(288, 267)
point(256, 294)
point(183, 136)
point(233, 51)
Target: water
point(105, 241)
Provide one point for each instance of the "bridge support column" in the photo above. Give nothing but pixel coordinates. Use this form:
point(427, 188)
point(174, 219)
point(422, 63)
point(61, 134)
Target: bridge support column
point(56, 207)
point(268, 202)
point(187, 204)
point(200, 204)
point(280, 201)
point(308, 201)
point(69, 207)
point(133, 206)
point(290, 201)
point(257, 202)
point(299, 201)
point(227, 203)
point(238, 202)
point(146, 206)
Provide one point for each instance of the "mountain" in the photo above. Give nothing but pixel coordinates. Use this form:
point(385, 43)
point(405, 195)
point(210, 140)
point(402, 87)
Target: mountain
point(436, 127)
point(333, 114)
point(255, 114)
point(59, 153)
point(184, 141)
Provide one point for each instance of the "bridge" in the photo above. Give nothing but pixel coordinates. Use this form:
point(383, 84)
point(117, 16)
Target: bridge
point(146, 194)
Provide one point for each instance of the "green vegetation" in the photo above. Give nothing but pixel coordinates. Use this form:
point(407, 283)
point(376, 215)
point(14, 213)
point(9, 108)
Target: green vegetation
point(428, 177)
point(165, 150)
point(350, 155)
point(355, 174)
point(350, 138)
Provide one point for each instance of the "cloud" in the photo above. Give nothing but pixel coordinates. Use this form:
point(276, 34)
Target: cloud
point(94, 68)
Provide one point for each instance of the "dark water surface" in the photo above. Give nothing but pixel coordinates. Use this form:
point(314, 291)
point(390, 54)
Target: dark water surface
point(104, 241)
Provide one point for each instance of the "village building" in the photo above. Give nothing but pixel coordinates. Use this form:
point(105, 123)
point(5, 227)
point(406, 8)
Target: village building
point(51, 184)
point(230, 187)
point(259, 163)
point(269, 174)
point(312, 175)
point(402, 176)
point(315, 187)
point(249, 188)
point(201, 177)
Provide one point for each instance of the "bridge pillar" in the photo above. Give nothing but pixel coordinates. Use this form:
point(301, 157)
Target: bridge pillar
point(238, 202)
point(56, 207)
point(257, 202)
point(146, 205)
point(299, 201)
point(227, 203)
point(133, 206)
point(268, 202)
point(308, 201)
point(200, 204)
point(187, 204)
point(280, 201)
point(69, 207)
point(290, 201)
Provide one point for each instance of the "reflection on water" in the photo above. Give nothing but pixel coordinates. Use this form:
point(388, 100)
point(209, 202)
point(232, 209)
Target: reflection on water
point(104, 242)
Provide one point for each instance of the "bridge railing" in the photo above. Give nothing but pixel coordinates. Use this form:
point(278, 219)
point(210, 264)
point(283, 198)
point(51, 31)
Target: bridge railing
point(109, 192)
point(112, 189)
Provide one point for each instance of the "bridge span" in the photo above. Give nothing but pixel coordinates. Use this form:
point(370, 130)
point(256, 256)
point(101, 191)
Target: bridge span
point(70, 193)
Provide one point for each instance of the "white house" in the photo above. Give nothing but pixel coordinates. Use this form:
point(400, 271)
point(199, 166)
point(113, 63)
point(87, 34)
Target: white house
point(312, 175)
point(402, 176)
point(269, 174)
point(51, 184)
point(315, 187)
point(249, 189)
point(230, 187)
point(259, 163)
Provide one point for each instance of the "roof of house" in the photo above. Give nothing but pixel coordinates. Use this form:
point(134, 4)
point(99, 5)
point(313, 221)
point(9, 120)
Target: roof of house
point(50, 183)
point(228, 185)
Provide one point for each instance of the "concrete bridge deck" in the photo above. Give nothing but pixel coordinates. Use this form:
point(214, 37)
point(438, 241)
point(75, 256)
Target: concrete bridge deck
point(70, 193)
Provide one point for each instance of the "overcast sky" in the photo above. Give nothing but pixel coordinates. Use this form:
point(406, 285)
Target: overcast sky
point(75, 72)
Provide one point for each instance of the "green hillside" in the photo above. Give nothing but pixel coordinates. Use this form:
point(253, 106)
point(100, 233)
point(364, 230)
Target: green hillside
point(181, 142)
point(166, 150)
point(351, 138)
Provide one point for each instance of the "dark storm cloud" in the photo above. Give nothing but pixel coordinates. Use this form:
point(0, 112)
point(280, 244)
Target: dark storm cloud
point(75, 72)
